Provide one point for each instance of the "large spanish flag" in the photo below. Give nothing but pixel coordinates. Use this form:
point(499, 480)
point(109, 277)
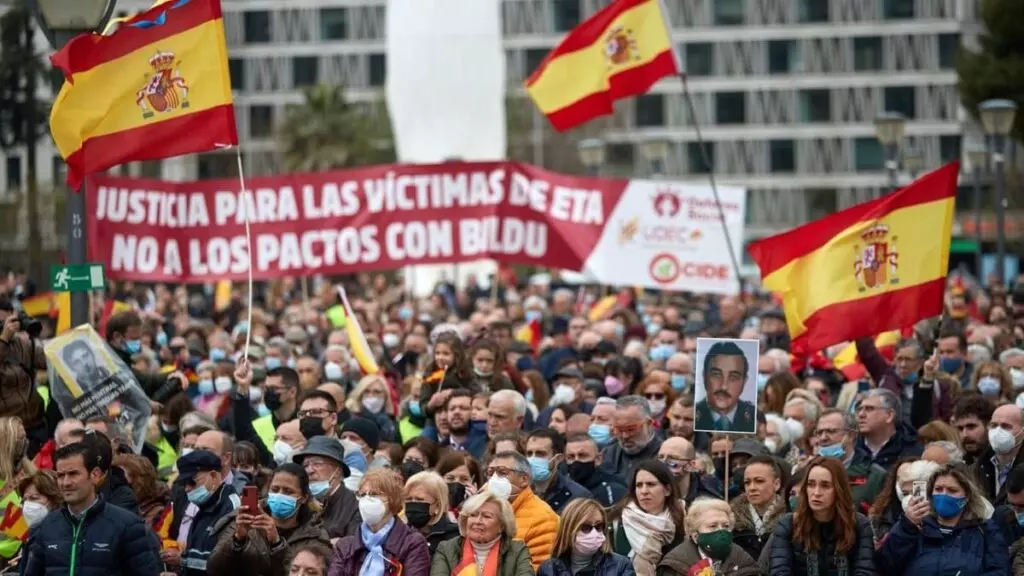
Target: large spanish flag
point(157, 87)
point(620, 51)
point(877, 266)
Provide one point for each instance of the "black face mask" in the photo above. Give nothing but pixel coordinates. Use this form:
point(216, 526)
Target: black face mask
point(580, 472)
point(779, 340)
point(410, 468)
point(417, 514)
point(719, 468)
point(310, 427)
point(271, 399)
point(456, 494)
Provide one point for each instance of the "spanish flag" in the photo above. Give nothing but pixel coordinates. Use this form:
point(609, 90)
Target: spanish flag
point(619, 52)
point(356, 338)
point(157, 87)
point(13, 525)
point(877, 266)
point(848, 362)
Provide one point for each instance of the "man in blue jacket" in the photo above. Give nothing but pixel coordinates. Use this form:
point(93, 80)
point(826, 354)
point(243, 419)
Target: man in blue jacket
point(87, 536)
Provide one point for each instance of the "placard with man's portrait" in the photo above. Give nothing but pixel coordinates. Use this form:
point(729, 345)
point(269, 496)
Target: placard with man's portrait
point(725, 393)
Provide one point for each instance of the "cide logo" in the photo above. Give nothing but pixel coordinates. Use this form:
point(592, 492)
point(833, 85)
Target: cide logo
point(667, 269)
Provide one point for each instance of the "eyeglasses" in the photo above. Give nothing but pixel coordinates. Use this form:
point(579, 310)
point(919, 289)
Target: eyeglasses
point(585, 528)
point(828, 432)
point(674, 462)
point(655, 396)
point(628, 430)
point(500, 471)
point(314, 413)
point(370, 495)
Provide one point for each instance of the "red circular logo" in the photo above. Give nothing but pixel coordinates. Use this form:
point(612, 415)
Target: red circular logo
point(664, 268)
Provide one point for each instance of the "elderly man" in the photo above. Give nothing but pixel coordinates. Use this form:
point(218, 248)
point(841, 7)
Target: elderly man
point(288, 439)
point(601, 420)
point(223, 447)
point(68, 430)
point(323, 459)
point(633, 429)
point(883, 440)
point(583, 459)
point(680, 369)
point(536, 522)
point(681, 458)
point(837, 438)
point(1005, 433)
point(907, 377)
point(943, 452)
point(726, 374)
point(505, 412)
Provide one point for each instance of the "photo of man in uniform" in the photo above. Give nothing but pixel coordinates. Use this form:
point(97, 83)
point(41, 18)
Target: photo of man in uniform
point(725, 371)
point(80, 359)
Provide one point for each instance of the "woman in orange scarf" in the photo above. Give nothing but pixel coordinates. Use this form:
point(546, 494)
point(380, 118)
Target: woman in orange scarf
point(485, 548)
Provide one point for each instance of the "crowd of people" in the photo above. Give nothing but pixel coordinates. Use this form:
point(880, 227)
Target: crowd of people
point(513, 433)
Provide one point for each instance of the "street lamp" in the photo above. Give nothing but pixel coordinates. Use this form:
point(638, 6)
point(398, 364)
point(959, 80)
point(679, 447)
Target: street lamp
point(977, 156)
point(997, 117)
point(592, 155)
point(889, 129)
point(655, 152)
point(913, 161)
point(60, 21)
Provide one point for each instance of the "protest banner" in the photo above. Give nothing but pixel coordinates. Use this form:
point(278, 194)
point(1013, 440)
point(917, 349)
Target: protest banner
point(624, 232)
point(87, 380)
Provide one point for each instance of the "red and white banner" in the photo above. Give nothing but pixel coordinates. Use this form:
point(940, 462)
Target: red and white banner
point(386, 217)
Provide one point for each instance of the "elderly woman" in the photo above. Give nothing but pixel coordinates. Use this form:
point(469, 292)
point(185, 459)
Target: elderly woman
point(154, 497)
point(310, 560)
point(40, 495)
point(709, 525)
point(581, 545)
point(384, 543)
point(887, 508)
point(426, 508)
point(372, 400)
point(487, 525)
point(948, 532)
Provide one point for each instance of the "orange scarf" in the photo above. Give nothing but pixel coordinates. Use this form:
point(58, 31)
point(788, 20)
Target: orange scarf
point(467, 566)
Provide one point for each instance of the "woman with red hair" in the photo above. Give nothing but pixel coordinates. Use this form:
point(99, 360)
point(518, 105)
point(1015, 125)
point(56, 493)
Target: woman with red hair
point(825, 535)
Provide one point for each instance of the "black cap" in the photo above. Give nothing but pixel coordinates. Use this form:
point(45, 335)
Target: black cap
point(195, 462)
point(748, 447)
point(775, 313)
point(559, 325)
point(364, 428)
point(605, 348)
point(569, 372)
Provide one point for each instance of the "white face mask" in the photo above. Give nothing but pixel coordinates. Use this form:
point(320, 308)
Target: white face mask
point(333, 371)
point(372, 509)
point(390, 340)
point(222, 384)
point(564, 394)
point(34, 512)
point(1001, 441)
point(771, 445)
point(1017, 375)
point(282, 452)
point(353, 480)
point(657, 407)
point(796, 428)
point(255, 394)
point(373, 404)
point(500, 487)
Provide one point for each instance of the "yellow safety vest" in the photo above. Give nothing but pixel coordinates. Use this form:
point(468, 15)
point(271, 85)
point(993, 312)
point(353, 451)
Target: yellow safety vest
point(407, 430)
point(44, 393)
point(264, 427)
point(166, 458)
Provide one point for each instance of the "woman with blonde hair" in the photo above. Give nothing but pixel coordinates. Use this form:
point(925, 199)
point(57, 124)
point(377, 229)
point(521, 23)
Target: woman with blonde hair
point(487, 526)
point(581, 544)
point(937, 431)
point(371, 399)
point(14, 466)
point(992, 380)
point(709, 525)
point(426, 508)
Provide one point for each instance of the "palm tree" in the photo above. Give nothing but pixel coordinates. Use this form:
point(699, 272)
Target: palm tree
point(327, 132)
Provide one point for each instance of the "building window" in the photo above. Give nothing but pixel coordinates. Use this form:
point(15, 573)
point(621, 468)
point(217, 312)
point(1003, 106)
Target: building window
point(695, 157)
point(236, 68)
point(13, 172)
point(217, 165)
point(261, 121)
point(900, 99)
point(151, 169)
point(59, 169)
point(534, 56)
point(813, 10)
point(333, 23)
point(868, 155)
point(949, 45)
point(620, 154)
point(650, 110)
point(378, 69)
point(305, 71)
point(815, 106)
point(782, 155)
point(257, 27)
point(821, 202)
point(567, 14)
point(729, 12)
point(949, 148)
point(730, 108)
point(898, 9)
point(783, 56)
point(867, 53)
point(700, 59)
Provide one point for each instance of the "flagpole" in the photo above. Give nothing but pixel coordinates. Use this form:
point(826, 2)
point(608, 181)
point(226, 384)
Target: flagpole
point(711, 177)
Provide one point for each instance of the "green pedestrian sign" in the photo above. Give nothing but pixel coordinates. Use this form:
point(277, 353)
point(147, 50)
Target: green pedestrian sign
point(77, 278)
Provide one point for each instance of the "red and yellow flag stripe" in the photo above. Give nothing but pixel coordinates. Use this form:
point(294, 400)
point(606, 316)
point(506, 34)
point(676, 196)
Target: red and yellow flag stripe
point(620, 51)
point(157, 87)
point(875, 267)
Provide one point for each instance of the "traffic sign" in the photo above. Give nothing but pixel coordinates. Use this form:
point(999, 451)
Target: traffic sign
point(77, 278)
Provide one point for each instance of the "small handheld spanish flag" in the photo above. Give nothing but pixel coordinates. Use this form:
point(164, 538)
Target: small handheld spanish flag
point(13, 524)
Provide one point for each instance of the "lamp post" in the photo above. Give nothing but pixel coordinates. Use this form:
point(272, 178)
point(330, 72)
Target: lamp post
point(889, 129)
point(655, 152)
point(977, 155)
point(592, 155)
point(913, 161)
point(60, 21)
point(997, 117)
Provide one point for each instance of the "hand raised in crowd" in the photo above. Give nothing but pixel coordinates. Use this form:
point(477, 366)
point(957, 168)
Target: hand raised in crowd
point(438, 400)
point(266, 523)
point(931, 366)
point(180, 377)
point(243, 376)
point(171, 557)
point(917, 509)
point(11, 327)
point(243, 523)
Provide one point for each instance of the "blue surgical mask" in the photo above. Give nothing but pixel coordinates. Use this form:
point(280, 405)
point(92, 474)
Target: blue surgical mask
point(989, 386)
point(217, 354)
point(1020, 519)
point(678, 382)
point(133, 346)
point(161, 338)
point(282, 506)
point(206, 386)
point(540, 467)
point(947, 506)
point(405, 313)
point(272, 363)
point(662, 352)
point(318, 489)
point(600, 433)
point(356, 460)
point(198, 495)
point(532, 315)
point(794, 502)
point(912, 378)
point(262, 410)
point(950, 365)
point(652, 328)
point(640, 308)
point(414, 408)
point(620, 331)
point(832, 451)
point(762, 381)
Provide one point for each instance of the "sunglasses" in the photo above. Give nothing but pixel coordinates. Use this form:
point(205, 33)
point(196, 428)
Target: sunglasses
point(585, 528)
point(655, 396)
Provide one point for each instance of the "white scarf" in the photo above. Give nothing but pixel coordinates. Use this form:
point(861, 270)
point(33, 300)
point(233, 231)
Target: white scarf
point(647, 534)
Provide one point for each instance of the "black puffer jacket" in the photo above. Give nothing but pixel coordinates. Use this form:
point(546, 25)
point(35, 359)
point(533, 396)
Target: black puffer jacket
point(788, 558)
point(108, 541)
point(117, 491)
